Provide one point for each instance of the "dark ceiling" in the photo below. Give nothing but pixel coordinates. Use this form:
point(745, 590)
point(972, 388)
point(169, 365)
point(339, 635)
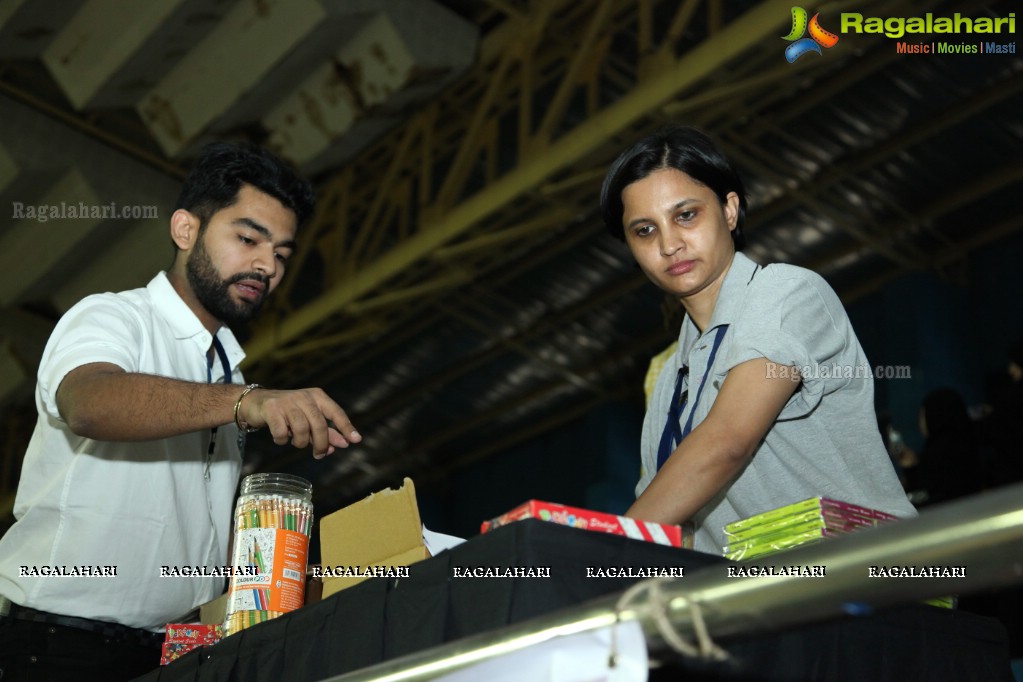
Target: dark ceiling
point(456, 291)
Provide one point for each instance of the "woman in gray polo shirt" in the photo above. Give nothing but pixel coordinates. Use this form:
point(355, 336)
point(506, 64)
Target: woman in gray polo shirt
point(768, 399)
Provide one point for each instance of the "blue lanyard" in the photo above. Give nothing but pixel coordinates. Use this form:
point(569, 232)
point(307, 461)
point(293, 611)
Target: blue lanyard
point(222, 354)
point(673, 433)
point(224, 362)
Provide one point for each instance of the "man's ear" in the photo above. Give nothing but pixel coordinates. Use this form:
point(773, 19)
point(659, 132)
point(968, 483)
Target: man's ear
point(184, 229)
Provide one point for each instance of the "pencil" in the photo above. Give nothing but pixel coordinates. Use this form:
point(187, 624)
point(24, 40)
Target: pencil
point(259, 558)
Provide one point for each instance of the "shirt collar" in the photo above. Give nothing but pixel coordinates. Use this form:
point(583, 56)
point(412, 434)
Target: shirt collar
point(731, 296)
point(729, 302)
point(186, 325)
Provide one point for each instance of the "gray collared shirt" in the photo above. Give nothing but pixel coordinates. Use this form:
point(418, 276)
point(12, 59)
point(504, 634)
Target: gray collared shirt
point(825, 441)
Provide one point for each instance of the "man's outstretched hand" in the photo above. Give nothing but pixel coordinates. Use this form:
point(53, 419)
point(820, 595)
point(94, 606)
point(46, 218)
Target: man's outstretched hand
point(303, 417)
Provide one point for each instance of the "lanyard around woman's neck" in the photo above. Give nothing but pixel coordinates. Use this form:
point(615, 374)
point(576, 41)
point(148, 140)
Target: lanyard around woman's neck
point(674, 433)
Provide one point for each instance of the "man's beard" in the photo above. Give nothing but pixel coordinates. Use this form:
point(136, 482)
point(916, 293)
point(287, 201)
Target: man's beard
point(214, 293)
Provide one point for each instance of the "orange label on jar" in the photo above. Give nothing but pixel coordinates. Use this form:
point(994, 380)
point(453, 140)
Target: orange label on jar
point(277, 559)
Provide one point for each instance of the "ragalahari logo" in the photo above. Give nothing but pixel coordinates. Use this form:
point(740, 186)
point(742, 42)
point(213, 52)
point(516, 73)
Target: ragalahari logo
point(818, 36)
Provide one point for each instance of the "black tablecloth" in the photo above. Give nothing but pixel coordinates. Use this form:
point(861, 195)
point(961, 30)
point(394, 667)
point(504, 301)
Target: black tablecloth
point(384, 618)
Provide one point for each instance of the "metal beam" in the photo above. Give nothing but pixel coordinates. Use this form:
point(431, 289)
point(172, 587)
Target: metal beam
point(748, 30)
point(59, 223)
point(494, 240)
point(1004, 176)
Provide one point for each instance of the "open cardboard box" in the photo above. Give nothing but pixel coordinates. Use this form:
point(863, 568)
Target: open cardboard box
point(381, 530)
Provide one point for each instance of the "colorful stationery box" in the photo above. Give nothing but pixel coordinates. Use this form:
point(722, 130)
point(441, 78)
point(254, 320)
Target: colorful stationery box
point(662, 534)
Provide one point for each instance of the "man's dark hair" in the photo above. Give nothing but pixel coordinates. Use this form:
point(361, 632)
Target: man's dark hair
point(684, 149)
point(222, 169)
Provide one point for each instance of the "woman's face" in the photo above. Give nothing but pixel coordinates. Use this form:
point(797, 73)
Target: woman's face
point(679, 232)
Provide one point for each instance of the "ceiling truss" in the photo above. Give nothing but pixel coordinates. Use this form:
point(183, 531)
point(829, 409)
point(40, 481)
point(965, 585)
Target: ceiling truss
point(439, 223)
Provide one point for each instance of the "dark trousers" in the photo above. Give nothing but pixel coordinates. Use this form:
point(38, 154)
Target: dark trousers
point(31, 651)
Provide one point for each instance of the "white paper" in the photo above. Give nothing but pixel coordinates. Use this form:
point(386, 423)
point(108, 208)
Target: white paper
point(438, 542)
point(584, 657)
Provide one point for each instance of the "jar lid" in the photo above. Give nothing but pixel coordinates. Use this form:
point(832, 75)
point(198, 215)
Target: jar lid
point(277, 484)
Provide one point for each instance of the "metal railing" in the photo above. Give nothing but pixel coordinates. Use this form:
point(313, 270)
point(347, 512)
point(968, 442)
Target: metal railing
point(981, 537)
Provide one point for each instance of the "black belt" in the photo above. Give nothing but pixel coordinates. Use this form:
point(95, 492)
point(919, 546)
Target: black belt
point(113, 631)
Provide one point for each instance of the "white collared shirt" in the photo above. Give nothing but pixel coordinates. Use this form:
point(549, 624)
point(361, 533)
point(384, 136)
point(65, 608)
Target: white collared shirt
point(135, 506)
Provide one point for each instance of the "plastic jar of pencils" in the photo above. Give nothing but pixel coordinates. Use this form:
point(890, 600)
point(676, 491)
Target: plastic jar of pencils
point(272, 522)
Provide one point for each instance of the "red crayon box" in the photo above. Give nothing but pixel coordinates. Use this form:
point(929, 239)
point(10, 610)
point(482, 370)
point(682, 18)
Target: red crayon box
point(659, 533)
point(183, 637)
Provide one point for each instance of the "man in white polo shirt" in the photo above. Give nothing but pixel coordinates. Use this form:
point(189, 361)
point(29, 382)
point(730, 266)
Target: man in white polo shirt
point(136, 454)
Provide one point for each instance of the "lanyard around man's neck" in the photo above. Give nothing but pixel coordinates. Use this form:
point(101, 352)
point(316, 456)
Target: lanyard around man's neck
point(674, 433)
point(222, 354)
point(224, 362)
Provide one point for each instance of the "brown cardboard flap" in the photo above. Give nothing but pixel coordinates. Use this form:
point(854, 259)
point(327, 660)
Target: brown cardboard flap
point(367, 532)
point(336, 584)
point(381, 530)
point(213, 612)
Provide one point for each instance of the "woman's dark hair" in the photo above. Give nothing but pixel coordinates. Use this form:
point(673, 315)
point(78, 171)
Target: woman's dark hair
point(684, 149)
point(223, 168)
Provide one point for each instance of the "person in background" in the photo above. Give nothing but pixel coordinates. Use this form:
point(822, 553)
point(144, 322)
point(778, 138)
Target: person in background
point(950, 465)
point(1002, 428)
point(768, 398)
point(1001, 432)
point(903, 457)
point(137, 450)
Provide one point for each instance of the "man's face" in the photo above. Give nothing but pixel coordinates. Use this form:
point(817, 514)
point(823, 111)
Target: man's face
point(240, 255)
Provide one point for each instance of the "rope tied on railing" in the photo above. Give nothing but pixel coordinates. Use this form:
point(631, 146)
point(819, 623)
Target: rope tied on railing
point(705, 648)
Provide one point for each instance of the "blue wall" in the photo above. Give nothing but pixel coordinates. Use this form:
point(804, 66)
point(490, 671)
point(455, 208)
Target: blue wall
point(951, 333)
point(592, 462)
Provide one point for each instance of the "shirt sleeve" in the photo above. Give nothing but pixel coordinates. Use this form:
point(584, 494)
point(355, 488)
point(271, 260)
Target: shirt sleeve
point(793, 318)
point(100, 328)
